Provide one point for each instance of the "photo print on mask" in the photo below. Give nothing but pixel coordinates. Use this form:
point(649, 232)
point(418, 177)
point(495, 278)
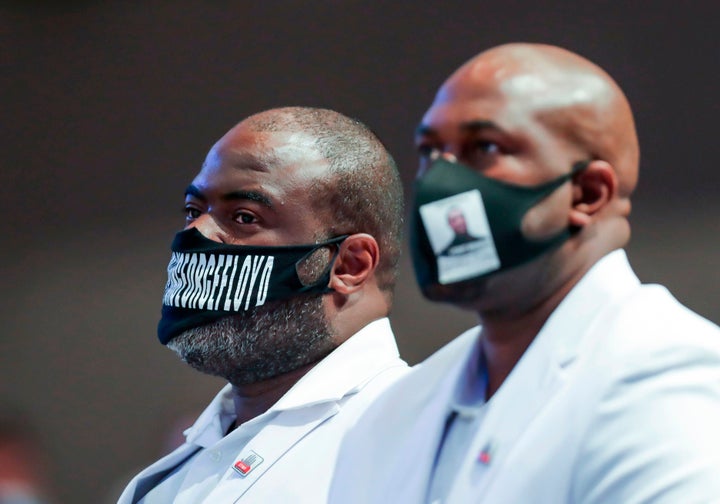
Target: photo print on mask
point(460, 236)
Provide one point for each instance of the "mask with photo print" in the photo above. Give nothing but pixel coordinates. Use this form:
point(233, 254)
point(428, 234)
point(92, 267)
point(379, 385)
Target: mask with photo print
point(502, 207)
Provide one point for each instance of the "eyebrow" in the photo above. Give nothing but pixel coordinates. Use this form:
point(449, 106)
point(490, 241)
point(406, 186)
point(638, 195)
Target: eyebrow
point(480, 125)
point(423, 130)
point(256, 196)
point(470, 126)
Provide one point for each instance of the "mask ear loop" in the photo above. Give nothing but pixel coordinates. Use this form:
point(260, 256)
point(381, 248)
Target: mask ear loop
point(579, 166)
point(324, 277)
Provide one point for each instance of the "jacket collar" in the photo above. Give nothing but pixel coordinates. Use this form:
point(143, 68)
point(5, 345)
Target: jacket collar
point(559, 338)
point(341, 373)
point(610, 278)
point(346, 369)
point(544, 368)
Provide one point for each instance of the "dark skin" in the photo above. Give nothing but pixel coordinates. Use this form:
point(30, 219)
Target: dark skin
point(255, 189)
point(524, 113)
point(456, 220)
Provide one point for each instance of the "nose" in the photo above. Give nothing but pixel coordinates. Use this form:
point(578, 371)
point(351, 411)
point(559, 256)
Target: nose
point(209, 228)
point(449, 156)
point(434, 156)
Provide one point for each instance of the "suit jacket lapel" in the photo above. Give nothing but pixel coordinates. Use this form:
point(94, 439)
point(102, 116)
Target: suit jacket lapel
point(418, 449)
point(508, 418)
point(270, 444)
point(422, 433)
point(152, 475)
point(539, 375)
point(542, 373)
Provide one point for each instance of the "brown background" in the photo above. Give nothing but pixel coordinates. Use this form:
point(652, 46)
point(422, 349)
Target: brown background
point(108, 109)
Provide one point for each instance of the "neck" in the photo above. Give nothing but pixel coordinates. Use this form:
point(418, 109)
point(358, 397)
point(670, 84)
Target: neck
point(254, 399)
point(504, 341)
point(503, 344)
point(511, 325)
point(508, 332)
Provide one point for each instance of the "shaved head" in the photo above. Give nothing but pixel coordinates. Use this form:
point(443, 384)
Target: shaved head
point(527, 114)
point(571, 95)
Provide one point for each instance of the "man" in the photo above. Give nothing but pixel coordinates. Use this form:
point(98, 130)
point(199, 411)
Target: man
point(461, 236)
point(281, 284)
point(580, 385)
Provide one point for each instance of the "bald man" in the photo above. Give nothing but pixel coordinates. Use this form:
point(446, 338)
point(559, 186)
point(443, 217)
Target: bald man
point(580, 385)
point(281, 284)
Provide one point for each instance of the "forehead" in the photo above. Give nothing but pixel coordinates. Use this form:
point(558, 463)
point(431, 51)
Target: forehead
point(508, 87)
point(476, 96)
point(517, 97)
point(280, 161)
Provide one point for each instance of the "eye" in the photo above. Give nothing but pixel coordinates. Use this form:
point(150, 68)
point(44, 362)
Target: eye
point(191, 213)
point(487, 147)
point(245, 218)
point(426, 150)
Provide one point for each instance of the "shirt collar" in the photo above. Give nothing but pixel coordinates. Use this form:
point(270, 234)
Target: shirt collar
point(214, 421)
point(346, 369)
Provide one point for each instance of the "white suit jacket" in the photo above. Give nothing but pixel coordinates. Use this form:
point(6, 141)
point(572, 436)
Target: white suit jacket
point(616, 401)
point(299, 438)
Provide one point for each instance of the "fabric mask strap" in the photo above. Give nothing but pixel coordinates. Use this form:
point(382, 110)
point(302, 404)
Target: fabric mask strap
point(324, 276)
point(579, 166)
point(545, 189)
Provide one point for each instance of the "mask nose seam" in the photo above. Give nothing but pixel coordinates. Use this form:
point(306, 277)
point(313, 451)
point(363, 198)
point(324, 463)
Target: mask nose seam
point(216, 234)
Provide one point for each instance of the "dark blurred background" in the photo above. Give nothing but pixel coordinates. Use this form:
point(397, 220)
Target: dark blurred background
point(108, 109)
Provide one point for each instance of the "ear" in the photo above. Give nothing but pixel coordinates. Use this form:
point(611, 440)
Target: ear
point(355, 264)
point(593, 188)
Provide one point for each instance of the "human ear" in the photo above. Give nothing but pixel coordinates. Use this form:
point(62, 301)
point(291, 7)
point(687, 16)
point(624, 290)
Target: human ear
point(356, 262)
point(593, 188)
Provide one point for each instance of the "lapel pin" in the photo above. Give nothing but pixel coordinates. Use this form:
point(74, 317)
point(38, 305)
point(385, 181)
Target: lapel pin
point(246, 464)
point(486, 454)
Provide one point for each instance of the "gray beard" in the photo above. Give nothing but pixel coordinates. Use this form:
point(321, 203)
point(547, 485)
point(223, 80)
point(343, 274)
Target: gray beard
point(254, 346)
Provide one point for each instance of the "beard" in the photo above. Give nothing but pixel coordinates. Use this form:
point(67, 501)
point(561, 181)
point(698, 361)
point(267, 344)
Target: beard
point(254, 346)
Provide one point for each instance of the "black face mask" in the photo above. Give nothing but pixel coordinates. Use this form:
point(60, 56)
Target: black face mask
point(492, 212)
point(208, 280)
